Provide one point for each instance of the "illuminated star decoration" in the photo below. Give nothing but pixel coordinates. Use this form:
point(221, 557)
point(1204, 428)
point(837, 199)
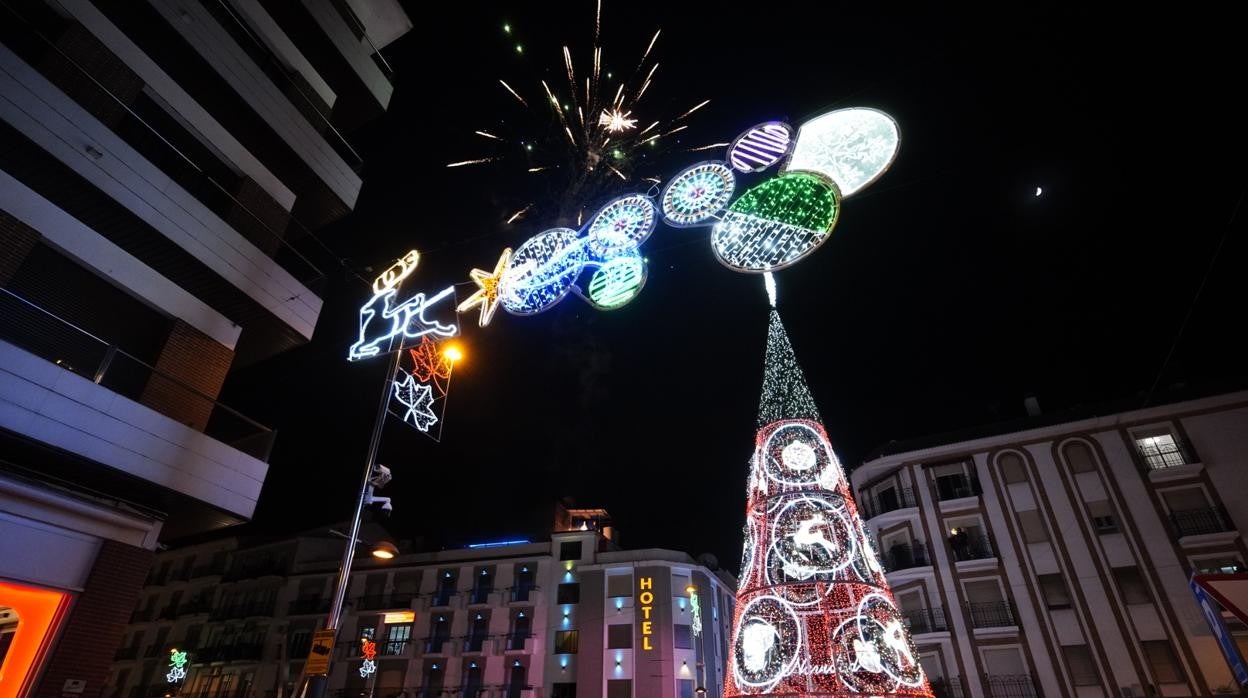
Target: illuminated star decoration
point(616, 120)
point(486, 294)
point(418, 399)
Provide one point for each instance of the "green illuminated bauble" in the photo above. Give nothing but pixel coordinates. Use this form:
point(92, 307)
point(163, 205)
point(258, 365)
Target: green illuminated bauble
point(777, 223)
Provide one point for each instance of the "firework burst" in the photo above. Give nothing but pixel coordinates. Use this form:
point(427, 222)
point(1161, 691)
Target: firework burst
point(581, 132)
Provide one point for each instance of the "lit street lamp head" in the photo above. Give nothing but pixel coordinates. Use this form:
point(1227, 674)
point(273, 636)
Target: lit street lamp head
point(385, 550)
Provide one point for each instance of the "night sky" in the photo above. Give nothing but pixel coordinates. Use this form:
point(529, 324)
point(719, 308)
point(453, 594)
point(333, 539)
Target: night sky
point(947, 292)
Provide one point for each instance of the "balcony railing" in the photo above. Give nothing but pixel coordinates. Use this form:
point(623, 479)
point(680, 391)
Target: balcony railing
point(275, 567)
point(521, 593)
point(125, 653)
point(393, 648)
point(950, 687)
point(474, 643)
point(1192, 522)
point(195, 606)
point(168, 612)
point(971, 548)
point(233, 652)
point(904, 557)
point(307, 607)
point(442, 597)
point(1010, 686)
point(142, 615)
point(299, 647)
point(480, 595)
point(889, 500)
point(436, 645)
point(209, 570)
point(515, 641)
point(44, 334)
point(925, 620)
point(263, 609)
point(992, 614)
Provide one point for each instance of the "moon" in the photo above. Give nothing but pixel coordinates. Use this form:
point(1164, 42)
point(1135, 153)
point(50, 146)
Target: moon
point(1039, 191)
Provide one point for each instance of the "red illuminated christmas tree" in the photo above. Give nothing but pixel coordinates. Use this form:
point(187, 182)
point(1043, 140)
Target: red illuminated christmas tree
point(815, 615)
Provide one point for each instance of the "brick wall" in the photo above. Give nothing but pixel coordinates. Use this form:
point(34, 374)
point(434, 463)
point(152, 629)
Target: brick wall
point(94, 628)
point(196, 360)
point(16, 241)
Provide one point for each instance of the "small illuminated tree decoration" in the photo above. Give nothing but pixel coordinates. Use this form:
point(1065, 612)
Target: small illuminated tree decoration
point(777, 223)
point(760, 147)
point(368, 650)
point(486, 295)
point(177, 666)
point(814, 615)
point(697, 194)
point(617, 281)
point(542, 271)
point(621, 226)
point(852, 147)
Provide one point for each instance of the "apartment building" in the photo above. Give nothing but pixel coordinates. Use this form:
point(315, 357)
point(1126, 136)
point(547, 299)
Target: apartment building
point(570, 615)
point(1054, 558)
point(164, 167)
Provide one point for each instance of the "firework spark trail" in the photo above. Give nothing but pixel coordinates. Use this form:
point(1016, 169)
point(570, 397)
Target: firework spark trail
point(699, 106)
point(514, 93)
point(644, 130)
point(708, 147)
point(515, 216)
point(647, 53)
point(487, 135)
point(471, 162)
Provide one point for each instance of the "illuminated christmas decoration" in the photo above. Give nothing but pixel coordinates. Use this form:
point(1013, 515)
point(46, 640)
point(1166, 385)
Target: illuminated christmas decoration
point(394, 275)
point(542, 271)
point(486, 295)
point(814, 612)
point(621, 226)
point(852, 147)
point(776, 223)
point(177, 666)
point(617, 281)
point(697, 194)
point(418, 399)
point(696, 609)
point(429, 364)
point(760, 147)
point(616, 120)
point(368, 650)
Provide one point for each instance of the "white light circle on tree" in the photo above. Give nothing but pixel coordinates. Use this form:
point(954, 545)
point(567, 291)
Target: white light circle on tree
point(769, 636)
point(852, 147)
point(621, 226)
point(760, 147)
point(697, 194)
point(780, 442)
point(617, 281)
point(777, 223)
point(811, 541)
point(798, 456)
point(541, 272)
point(876, 653)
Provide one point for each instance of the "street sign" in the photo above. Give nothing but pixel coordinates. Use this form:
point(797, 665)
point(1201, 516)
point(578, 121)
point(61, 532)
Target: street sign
point(1213, 614)
point(318, 656)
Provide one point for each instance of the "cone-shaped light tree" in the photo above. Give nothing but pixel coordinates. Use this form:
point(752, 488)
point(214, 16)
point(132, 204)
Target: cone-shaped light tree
point(815, 615)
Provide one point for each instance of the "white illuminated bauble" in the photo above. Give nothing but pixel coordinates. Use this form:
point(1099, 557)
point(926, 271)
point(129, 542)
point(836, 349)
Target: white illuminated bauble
point(541, 272)
point(621, 226)
point(852, 147)
point(697, 194)
point(798, 456)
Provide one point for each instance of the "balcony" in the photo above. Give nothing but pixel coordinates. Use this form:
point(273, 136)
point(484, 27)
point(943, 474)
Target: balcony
point(1195, 522)
point(125, 653)
point(480, 595)
point(437, 645)
point(521, 593)
point(209, 570)
point(474, 643)
point(888, 500)
point(262, 609)
point(299, 647)
point(950, 687)
point(957, 487)
point(49, 337)
point(393, 648)
point(1010, 686)
point(925, 620)
point(904, 557)
point(992, 614)
point(971, 548)
point(442, 598)
point(142, 615)
point(307, 607)
point(196, 607)
point(516, 642)
point(235, 652)
point(381, 602)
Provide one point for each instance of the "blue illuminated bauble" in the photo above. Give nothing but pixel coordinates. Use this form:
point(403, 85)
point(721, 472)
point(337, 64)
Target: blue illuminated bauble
point(621, 226)
point(697, 194)
point(617, 281)
point(541, 272)
point(761, 147)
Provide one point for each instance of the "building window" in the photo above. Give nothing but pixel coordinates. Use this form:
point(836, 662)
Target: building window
point(566, 642)
point(1032, 526)
point(1160, 451)
point(1054, 590)
point(1012, 468)
point(1082, 668)
point(684, 688)
point(620, 636)
point(683, 637)
point(563, 690)
point(619, 585)
point(1131, 585)
point(1218, 565)
point(619, 688)
point(1162, 661)
point(1102, 515)
point(570, 550)
point(569, 593)
point(1079, 457)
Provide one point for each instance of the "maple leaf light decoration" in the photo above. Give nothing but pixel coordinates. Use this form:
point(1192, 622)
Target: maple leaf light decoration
point(418, 399)
point(428, 363)
point(486, 294)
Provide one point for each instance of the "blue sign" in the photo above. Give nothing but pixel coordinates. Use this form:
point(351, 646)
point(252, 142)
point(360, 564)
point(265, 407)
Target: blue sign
point(1213, 614)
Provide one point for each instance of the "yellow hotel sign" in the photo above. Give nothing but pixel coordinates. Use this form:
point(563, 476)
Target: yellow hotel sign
point(645, 599)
